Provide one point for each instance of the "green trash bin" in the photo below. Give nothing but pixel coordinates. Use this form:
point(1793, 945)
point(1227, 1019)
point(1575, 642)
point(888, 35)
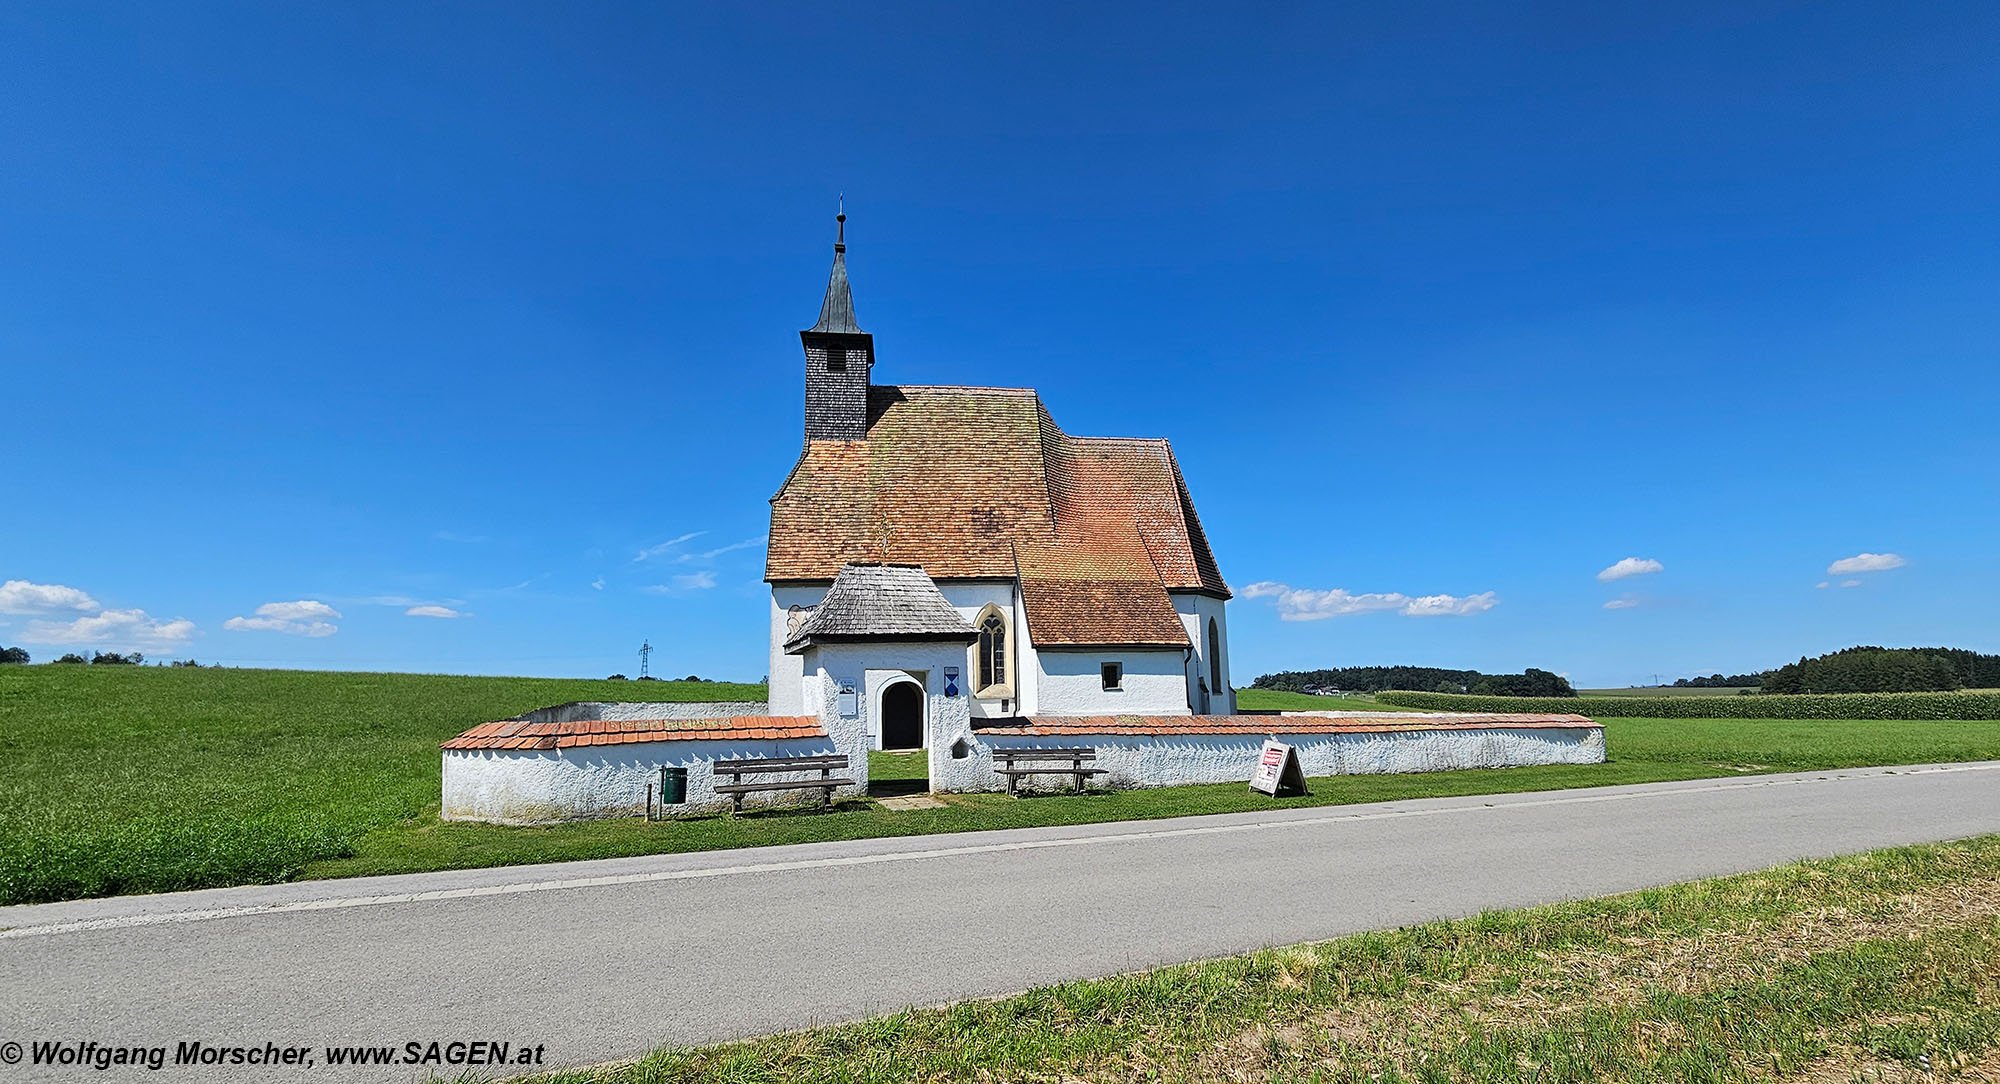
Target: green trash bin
point(673, 786)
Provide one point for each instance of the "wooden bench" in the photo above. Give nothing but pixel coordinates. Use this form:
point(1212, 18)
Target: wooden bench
point(737, 769)
point(1009, 762)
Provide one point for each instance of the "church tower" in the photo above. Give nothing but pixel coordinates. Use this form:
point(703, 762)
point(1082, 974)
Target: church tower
point(838, 357)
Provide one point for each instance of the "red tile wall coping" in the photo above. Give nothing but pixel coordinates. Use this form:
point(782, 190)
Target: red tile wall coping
point(1254, 725)
point(519, 734)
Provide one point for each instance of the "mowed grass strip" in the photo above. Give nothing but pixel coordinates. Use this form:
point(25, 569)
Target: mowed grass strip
point(149, 780)
point(1883, 966)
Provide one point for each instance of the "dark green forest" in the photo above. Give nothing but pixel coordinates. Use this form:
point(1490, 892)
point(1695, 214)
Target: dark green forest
point(1887, 670)
point(1425, 679)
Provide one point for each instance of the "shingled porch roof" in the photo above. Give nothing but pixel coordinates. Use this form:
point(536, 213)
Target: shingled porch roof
point(882, 602)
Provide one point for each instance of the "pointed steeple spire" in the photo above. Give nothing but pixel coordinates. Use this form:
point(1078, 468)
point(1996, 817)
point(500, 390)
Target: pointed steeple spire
point(839, 356)
point(836, 313)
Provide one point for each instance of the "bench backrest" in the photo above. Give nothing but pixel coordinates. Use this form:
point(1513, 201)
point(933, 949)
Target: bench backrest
point(779, 764)
point(1009, 756)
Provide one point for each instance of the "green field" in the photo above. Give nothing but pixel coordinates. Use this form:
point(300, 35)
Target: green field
point(1876, 968)
point(146, 780)
point(1666, 690)
point(1280, 700)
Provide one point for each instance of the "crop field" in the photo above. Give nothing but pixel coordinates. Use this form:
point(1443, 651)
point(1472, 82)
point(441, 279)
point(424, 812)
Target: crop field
point(1666, 690)
point(146, 779)
point(1874, 968)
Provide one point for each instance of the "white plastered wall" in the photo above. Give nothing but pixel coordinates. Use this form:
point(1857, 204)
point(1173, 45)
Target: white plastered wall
point(1143, 761)
point(1196, 611)
point(970, 599)
point(516, 786)
point(1070, 682)
point(788, 671)
point(873, 667)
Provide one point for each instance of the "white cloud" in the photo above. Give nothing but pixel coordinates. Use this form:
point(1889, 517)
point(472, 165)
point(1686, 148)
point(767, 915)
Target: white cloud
point(114, 629)
point(1621, 603)
point(1850, 583)
point(433, 611)
point(662, 548)
point(597, 584)
point(1631, 566)
point(1822, 585)
point(1865, 562)
point(709, 555)
point(693, 581)
point(305, 617)
point(1305, 604)
point(22, 597)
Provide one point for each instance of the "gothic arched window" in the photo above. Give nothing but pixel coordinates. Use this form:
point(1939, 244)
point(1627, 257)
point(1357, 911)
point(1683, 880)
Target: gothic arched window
point(992, 660)
point(1214, 658)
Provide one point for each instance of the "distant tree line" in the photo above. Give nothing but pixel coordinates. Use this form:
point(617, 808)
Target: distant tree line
point(13, 656)
point(1887, 670)
point(1721, 681)
point(1423, 679)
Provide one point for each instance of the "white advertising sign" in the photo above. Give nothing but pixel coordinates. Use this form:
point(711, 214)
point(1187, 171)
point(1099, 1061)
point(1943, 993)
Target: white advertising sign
point(1278, 773)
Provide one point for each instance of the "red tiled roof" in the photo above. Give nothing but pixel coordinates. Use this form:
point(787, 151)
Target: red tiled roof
point(980, 483)
point(521, 734)
point(1040, 726)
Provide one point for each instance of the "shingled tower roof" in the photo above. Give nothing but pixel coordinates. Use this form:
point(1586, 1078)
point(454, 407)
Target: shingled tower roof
point(836, 312)
point(882, 602)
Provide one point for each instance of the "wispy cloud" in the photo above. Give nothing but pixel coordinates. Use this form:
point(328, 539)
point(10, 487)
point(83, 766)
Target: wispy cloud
point(710, 555)
point(115, 629)
point(445, 612)
point(465, 539)
point(1865, 562)
point(305, 617)
point(597, 584)
point(1306, 604)
point(1626, 603)
point(679, 585)
point(663, 548)
point(22, 597)
point(1631, 566)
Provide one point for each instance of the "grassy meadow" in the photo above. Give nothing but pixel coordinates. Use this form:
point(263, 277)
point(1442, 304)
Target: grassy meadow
point(1875, 967)
point(129, 779)
point(146, 780)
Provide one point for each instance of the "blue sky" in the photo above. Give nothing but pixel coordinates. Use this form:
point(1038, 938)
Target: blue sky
point(319, 325)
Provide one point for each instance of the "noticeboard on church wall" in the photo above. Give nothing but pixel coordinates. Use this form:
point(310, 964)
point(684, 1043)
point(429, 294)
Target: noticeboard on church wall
point(1278, 772)
point(849, 704)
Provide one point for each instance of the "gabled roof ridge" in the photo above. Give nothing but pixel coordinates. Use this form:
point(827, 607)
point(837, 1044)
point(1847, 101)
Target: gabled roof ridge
point(1191, 527)
point(1021, 393)
point(1160, 441)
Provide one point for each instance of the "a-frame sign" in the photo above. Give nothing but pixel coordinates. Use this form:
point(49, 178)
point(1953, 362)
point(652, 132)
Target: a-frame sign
point(1278, 773)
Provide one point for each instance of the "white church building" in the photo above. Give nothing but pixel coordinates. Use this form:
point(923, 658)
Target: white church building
point(1076, 569)
point(951, 572)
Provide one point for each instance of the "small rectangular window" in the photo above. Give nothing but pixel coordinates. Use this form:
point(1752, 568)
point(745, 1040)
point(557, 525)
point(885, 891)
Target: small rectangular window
point(836, 360)
point(1113, 674)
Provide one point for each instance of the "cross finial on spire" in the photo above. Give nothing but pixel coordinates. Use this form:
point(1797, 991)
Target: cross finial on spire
point(840, 225)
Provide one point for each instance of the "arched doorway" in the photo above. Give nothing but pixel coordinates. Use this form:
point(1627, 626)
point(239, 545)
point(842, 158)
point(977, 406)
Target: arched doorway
point(903, 716)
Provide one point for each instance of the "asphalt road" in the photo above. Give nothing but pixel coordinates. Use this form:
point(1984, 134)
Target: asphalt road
point(604, 960)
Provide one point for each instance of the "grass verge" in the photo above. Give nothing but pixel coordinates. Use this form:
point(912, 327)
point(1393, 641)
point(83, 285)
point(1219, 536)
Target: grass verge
point(1883, 966)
